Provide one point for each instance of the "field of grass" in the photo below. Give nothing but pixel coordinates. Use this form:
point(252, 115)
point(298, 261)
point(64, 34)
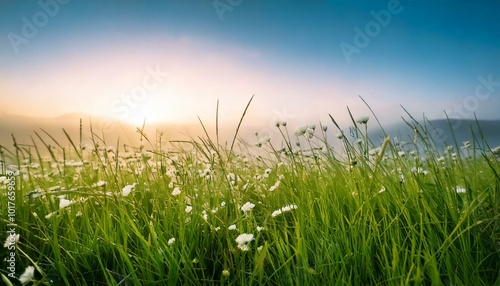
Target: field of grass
point(293, 211)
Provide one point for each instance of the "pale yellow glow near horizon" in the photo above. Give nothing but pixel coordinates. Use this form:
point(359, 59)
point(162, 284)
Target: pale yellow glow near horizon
point(198, 73)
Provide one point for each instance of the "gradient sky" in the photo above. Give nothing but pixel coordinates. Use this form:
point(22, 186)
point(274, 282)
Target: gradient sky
point(89, 56)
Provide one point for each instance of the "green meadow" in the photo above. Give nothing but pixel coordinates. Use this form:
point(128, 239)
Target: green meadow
point(292, 210)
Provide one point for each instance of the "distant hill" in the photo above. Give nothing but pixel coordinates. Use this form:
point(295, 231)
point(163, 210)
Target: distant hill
point(443, 132)
point(25, 130)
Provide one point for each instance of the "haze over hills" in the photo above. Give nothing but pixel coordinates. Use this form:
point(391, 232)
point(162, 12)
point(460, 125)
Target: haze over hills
point(444, 132)
point(24, 128)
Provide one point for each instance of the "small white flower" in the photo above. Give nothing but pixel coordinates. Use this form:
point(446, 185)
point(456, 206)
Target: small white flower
point(176, 192)
point(127, 189)
point(284, 209)
point(276, 213)
point(363, 119)
point(401, 153)
point(275, 186)
point(222, 204)
point(248, 206)
point(374, 151)
point(188, 209)
point(48, 216)
point(63, 203)
point(232, 227)
point(460, 190)
point(288, 208)
point(301, 131)
point(243, 240)
point(171, 241)
point(99, 184)
point(217, 228)
point(11, 239)
point(259, 249)
point(28, 274)
point(260, 228)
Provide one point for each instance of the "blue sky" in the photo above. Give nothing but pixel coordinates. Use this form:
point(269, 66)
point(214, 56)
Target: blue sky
point(172, 60)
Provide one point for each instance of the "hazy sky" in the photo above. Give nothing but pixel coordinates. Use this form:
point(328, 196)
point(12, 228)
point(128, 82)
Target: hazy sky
point(172, 60)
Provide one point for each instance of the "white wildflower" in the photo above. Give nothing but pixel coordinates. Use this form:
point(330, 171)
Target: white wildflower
point(28, 274)
point(48, 216)
point(176, 192)
point(11, 239)
point(188, 209)
point(275, 186)
point(466, 145)
point(127, 189)
point(374, 151)
point(99, 184)
point(63, 203)
point(243, 240)
point(276, 213)
point(171, 241)
point(363, 119)
point(248, 206)
point(232, 227)
point(284, 209)
point(301, 131)
point(460, 190)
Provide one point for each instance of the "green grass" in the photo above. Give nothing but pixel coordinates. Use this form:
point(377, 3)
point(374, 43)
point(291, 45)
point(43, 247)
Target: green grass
point(362, 217)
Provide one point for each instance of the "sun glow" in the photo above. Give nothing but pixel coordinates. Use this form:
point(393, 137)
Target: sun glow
point(145, 113)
